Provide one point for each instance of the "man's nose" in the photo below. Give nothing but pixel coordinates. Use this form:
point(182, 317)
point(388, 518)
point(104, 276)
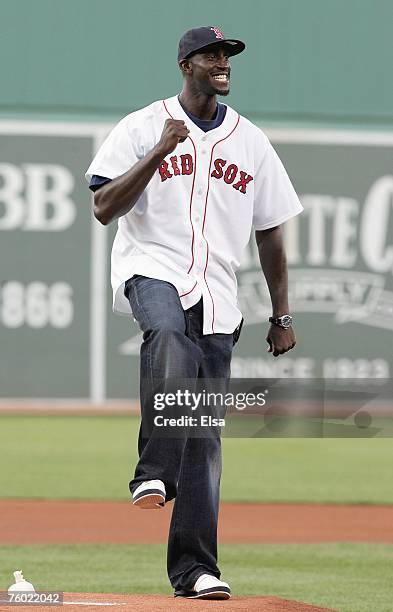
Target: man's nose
point(223, 61)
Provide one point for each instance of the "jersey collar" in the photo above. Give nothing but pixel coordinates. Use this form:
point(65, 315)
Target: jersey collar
point(173, 108)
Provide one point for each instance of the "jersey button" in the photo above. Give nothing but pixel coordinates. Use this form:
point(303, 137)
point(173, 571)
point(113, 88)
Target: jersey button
point(203, 151)
point(200, 191)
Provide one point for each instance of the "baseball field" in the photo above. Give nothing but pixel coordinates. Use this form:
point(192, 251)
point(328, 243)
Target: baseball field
point(306, 524)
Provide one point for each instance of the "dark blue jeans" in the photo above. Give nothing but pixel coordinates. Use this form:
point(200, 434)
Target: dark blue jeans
point(175, 347)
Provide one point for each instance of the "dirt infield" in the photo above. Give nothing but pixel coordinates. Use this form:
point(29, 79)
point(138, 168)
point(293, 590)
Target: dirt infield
point(67, 522)
point(160, 603)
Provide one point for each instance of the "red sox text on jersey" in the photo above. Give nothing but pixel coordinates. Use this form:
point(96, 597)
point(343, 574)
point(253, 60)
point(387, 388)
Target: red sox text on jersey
point(183, 164)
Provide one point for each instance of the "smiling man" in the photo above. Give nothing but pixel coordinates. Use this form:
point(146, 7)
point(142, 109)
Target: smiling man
point(188, 179)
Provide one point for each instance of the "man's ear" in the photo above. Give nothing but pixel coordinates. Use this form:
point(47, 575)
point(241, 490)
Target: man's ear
point(185, 66)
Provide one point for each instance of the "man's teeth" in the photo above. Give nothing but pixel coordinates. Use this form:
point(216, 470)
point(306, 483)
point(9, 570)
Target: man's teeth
point(220, 77)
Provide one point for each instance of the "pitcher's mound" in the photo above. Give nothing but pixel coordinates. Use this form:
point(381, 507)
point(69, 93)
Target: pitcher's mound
point(165, 603)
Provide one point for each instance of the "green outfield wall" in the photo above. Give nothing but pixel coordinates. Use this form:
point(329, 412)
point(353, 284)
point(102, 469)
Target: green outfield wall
point(306, 60)
point(316, 78)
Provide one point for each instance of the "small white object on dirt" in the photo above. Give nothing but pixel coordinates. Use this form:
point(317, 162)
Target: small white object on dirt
point(21, 585)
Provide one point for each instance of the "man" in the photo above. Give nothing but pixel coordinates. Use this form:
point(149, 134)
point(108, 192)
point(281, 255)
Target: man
point(188, 178)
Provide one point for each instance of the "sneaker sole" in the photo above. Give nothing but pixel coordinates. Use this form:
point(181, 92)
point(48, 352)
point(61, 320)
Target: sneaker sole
point(150, 501)
point(213, 593)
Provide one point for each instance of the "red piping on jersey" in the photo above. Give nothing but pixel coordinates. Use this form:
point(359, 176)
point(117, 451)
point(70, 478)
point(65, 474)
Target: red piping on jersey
point(192, 193)
point(204, 216)
point(183, 294)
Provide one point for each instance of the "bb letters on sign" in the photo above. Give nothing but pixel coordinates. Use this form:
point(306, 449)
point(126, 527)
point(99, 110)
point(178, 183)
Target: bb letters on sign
point(36, 197)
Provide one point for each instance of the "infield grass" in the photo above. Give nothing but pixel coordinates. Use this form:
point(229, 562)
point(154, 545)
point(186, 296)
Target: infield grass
point(346, 577)
point(60, 457)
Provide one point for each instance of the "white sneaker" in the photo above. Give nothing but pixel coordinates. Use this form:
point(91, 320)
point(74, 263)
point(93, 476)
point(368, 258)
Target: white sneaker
point(209, 587)
point(149, 495)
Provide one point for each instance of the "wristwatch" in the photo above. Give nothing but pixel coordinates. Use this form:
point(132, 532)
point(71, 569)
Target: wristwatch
point(285, 321)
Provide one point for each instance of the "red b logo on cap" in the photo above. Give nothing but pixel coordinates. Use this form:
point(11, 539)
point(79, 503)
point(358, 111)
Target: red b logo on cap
point(218, 33)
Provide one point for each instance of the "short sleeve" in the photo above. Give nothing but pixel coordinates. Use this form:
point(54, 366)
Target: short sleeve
point(118, 153)
point(275, 200)
point(98, 181)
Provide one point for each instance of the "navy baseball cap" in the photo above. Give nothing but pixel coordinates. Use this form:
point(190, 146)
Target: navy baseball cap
point(195, 40)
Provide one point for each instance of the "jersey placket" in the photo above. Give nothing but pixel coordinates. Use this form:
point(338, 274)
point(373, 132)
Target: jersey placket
point(203, 146)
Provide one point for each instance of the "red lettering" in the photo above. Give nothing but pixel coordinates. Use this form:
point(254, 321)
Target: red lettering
point(187, 165)
point(242, 183)
point(164, 171)
point(218, 168)
point(230, 173)
point(175, 167)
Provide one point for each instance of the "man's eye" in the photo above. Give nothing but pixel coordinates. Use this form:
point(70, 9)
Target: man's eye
point(213, 58)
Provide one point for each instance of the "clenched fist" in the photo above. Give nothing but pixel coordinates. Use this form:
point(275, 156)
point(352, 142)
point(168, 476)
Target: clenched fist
point(280, 340)
point(175, 131)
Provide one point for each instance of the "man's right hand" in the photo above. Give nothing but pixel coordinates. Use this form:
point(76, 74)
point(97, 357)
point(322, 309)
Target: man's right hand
point(175, 131)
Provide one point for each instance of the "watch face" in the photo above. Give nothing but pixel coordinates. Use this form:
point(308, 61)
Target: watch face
point(286, 321)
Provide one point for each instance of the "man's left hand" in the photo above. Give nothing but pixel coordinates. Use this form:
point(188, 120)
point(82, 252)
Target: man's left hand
point(280, 340)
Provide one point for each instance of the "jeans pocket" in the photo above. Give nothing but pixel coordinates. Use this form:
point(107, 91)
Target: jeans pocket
point(128, 284)
point(131, 294)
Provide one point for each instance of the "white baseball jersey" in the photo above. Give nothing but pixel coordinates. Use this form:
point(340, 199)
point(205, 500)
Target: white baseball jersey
point(193, 221)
